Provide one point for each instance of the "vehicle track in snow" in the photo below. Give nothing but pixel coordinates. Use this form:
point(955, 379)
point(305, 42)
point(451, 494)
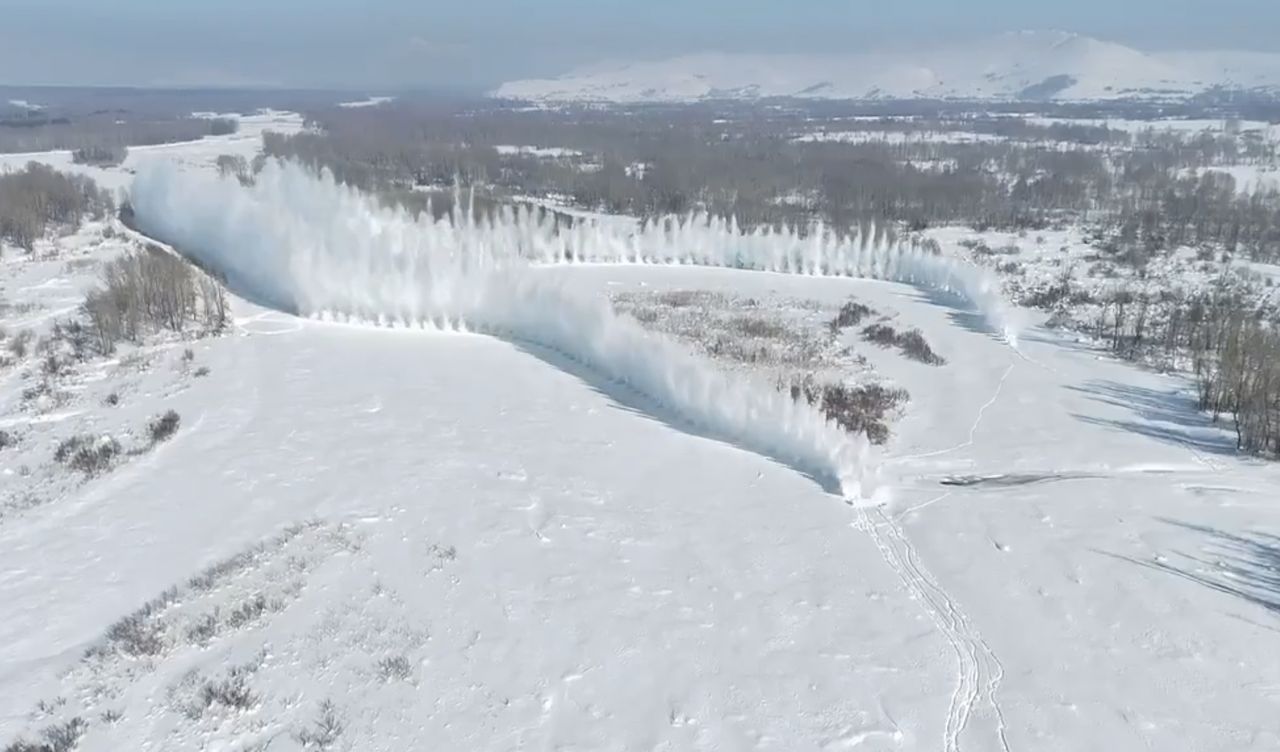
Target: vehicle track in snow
point(980, 671)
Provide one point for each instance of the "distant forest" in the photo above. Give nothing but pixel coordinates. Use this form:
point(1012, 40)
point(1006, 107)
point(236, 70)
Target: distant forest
point(942, 165)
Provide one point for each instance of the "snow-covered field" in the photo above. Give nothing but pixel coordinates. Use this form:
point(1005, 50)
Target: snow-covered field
point(201, 155)
point(367, 537)
point(898, 137)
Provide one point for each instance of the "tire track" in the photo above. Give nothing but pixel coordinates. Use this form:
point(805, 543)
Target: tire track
point(980, 672)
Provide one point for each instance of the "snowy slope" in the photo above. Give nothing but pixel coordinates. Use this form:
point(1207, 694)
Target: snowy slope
point(1025, 65)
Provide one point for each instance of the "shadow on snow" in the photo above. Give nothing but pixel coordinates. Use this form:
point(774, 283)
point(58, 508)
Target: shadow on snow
point(1244, 565)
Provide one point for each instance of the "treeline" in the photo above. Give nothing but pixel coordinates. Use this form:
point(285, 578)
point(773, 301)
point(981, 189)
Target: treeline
point(147, 291)
point(100, 156)
point(107, 130)
point(1142, 189)
point(1221, 334)
point(39, 197)
point(1194, 210)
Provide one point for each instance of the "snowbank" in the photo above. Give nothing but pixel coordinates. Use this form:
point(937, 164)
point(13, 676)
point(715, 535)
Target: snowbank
point(711, 241)
point(310, 246)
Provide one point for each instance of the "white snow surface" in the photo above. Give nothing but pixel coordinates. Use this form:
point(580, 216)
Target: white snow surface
point(308, 245)
point(559, 573)
point(466, 544)
point(197, 155)
point(1035, 65)
point(544, 152)
point(368, 102)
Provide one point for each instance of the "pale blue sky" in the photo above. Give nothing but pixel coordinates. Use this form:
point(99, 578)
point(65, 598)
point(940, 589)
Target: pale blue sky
point(392, 43)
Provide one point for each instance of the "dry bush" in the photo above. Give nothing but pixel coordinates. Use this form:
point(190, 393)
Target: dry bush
point(395, 668)
point(204, 630)
point(758, 327)
point(137, 635)
point(861, 409)
point(20, 344)
point(913, 345)
point(325, 731)
point(880, 334)
point(231, 691)
point(100, 156)
point(850, 314)
point(91, 455)
point(248, 611)
point(141, 633)
point(910, 343)
point(687, 298)
point(164, 427)
point(60, 737)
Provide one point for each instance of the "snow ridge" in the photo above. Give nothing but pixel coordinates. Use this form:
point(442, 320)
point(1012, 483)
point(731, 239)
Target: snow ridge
point(313, 247)
point(1026, 66)
point(703, 240)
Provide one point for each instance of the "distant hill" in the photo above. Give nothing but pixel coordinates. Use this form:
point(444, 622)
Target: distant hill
point(1057, 66)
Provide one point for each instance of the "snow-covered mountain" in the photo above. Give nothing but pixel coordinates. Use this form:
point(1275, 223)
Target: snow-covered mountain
point(1021, 65)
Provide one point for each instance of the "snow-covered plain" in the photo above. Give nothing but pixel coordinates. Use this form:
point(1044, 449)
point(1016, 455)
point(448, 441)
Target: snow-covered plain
point(198, 155)
point(470, 543)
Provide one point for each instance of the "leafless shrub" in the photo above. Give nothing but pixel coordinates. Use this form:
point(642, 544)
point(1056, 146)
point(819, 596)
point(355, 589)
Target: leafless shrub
point(42, 388)
point(100, 156)
point(53, 366)
point(164, 427)
point(141, 633)
point(20, 344)
point(7, 439)
point(395, 668)
point(231, 691)
point(644, 315)
point(686, 298)
point(80, 264)
point(204, 629)
point(880, 334)
point(758, 327)
point(138, 635)
point(247, 611)
point(201, 371)
point(112, 399)
point(213, 575)
point(861, 409)
point(71, 338)
point(324, 731)
point(850, 314)
point(91, 455)
point(111, 716)
point(224, 126)
point(911, 343)
point(60, 737)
